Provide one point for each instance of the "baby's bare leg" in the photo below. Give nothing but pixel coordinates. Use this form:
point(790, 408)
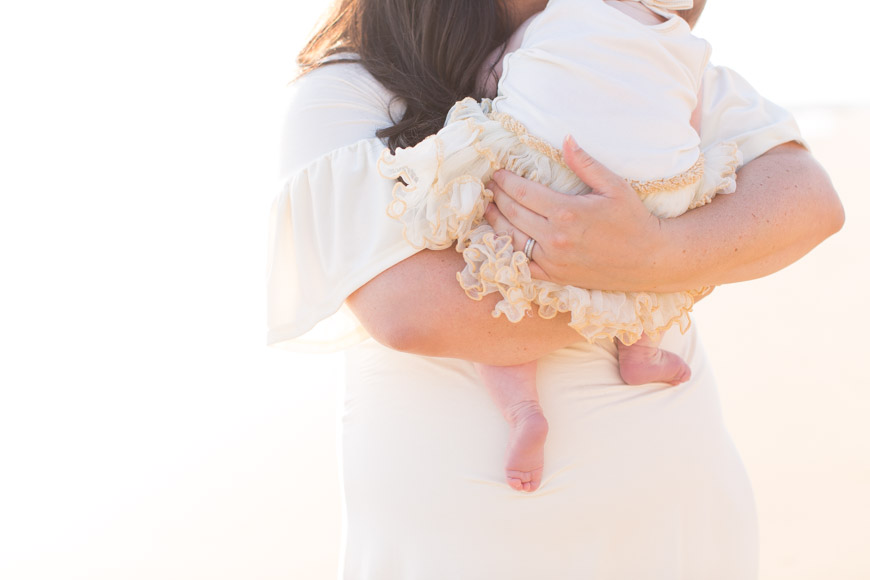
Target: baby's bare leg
point(515, 392)
point(644, 362)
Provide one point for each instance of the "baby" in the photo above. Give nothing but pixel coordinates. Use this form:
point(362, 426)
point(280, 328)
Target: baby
point(624, 76)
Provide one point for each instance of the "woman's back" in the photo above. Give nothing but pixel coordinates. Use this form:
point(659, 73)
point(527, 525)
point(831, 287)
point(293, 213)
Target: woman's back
point(639, 483)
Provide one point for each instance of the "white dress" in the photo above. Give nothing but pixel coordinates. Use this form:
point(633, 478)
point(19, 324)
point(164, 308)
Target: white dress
point(626, 91)
point(640, 483)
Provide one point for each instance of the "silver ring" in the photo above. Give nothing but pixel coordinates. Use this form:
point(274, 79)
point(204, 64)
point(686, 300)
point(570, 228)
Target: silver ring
point(530, 246)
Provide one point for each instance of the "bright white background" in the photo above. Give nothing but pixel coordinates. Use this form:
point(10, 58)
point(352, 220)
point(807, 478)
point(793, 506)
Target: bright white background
point(145, 430)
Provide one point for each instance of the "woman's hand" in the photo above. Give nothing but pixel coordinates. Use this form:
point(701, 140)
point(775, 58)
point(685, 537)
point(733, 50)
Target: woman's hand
point(784, 206)
point(597, 241)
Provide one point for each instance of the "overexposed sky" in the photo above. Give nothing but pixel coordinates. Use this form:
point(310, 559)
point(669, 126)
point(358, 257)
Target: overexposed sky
point(138, 155)
point(795, 52)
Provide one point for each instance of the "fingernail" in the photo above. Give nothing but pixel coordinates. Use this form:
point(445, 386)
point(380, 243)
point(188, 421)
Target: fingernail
point(571, 144)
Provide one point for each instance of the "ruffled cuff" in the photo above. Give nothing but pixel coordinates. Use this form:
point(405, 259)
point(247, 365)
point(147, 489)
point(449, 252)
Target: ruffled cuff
point(492, 266)
point(720, 173)
point(325, 243)
point(440, 195)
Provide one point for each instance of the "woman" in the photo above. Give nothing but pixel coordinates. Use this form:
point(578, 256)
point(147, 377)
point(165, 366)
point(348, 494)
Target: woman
point(641, 482)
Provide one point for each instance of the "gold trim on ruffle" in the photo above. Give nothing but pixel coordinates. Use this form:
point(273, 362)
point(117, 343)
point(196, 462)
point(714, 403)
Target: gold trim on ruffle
point(703, 201)
point(389, 167)
point(527, 138)
point(493, 267)
point(690, 177)
point(643, 188)
point(723, 177)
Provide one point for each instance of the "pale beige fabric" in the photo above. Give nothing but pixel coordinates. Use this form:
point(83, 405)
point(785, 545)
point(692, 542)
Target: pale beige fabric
point(639, 484)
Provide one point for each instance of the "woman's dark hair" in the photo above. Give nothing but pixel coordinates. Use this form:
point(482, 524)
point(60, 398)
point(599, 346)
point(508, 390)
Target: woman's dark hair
point(428, 53)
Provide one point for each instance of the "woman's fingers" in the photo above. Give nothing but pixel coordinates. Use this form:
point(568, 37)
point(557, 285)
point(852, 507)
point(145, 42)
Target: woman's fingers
point(498, 221)
point(591, 172)
point(586, 240)
point(527, 194)
point(514, 215)
point(536, 272)
point(502, 225)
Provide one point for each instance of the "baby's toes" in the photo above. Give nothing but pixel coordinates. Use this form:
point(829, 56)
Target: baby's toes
point(524, 480)
point(516, 483)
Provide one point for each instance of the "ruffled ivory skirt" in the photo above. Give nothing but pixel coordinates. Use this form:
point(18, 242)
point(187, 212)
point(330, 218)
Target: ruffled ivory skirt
point(440, 199)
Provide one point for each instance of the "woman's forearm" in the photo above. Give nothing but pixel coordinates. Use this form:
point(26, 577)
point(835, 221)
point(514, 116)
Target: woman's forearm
point(784, 206)
point(417, 306)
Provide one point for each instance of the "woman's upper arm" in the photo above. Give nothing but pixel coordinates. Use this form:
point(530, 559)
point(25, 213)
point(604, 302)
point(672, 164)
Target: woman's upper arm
point(784, 204)
point(785, 201)
point(329, 108)
point(328, 229)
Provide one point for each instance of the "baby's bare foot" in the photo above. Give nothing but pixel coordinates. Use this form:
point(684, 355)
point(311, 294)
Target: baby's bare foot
point(525, 456)
point(640, 364)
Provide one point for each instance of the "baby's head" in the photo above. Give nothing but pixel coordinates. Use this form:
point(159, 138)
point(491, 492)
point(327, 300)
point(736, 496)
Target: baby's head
point(692, 14)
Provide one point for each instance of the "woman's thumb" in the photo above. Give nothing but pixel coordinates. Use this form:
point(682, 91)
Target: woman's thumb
point(590, 171)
